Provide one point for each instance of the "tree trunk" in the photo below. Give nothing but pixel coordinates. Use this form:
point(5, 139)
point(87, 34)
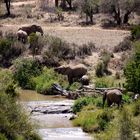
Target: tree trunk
point(86, 18)
point(126, 17)
point(91, 17)
point(117, 18)
point(56, 3)
point(7, 2)
point(69, 3)
point(64, 4)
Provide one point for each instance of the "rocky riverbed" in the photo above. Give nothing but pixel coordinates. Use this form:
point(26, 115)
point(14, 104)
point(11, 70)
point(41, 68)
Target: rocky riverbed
point(52, 118)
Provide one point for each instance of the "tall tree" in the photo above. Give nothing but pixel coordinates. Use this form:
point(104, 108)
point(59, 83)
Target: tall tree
point(8, 2)
point(120, 9)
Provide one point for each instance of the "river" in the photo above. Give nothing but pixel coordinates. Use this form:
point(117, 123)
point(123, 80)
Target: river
point(51, 115)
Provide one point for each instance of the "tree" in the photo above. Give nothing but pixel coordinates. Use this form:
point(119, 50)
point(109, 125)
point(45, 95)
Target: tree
point(89, 7)
point(132, 71)
point(120, 9)
point(8, 2)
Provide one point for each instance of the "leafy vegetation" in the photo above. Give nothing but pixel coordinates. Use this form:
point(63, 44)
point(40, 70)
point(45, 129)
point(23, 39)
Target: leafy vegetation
point(85, 101)
point(25, 69)
point(9, 50)
point(132, 71)
point(13, 123)
point(135, 32)
point(48, 77)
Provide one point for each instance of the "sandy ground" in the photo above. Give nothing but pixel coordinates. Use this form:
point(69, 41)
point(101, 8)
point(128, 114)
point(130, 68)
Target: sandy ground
point(68, 30)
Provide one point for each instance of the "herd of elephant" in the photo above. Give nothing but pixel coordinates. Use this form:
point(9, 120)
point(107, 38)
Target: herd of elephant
point(77, 72)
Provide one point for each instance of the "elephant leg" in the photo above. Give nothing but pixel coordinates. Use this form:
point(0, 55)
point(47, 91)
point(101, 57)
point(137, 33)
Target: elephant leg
point(70, 79)
point(109, 103)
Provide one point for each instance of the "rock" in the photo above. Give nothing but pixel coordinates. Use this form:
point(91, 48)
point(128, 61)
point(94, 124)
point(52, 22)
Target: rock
point(54, 109)
point(73, 117)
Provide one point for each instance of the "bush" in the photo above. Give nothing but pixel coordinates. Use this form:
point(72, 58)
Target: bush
point(13, 123)
point(25, 70)
point(126, 125)
point(135, 32)
point(7, 83)
point(46, 79)
point(74, 86)
point(104, 83)
point(9, 50)
point(81, 102)
point(99, 71)
point(136, 108)
point(132, 71)
point(104, 118)
point(123, 46)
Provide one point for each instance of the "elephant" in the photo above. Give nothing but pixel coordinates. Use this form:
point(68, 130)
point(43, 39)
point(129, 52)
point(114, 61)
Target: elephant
point(22, 36)
point(32, 29)
point(112, 96)
point(73, 72)
point(85, 80)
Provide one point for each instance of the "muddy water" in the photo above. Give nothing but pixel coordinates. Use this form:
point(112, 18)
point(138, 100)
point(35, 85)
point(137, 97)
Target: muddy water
point(51, 125)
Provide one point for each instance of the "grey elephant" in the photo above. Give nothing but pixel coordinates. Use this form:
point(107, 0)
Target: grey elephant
point(112, 96)
point(72, 72)
point(22, 36)
point(85, 80)
point(32, 29)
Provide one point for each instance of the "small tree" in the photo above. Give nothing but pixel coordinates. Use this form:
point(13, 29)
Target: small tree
point(89, 7)
point(132, 71)
point(120, 9)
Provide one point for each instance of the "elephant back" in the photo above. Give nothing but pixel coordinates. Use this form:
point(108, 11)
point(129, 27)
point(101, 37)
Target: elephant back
point(114, 95)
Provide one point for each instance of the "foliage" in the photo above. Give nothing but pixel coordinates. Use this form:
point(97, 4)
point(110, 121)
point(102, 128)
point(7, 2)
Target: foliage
point(85, 101)
point(93, 121)
point(135, 32)
point(74, 86)
point(13, 123)
point(132, 71)
point(7, 83)
point(123, 46)
point(99, 71)
point(126, 98)
point(89, 7)
point(120, 10)
point(136, 108)
point(102, 67)
point(25, 69)
point(9, 49)
point(126, 125)
point(46, 79)
point(104, 82)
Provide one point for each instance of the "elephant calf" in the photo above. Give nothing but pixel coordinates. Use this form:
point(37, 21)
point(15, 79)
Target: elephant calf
point(112, 96)
point(72, 72)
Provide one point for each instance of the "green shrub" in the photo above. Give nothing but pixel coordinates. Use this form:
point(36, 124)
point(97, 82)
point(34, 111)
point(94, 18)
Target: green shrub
point(13, 123)
point(46, 79)
point(132, 71)
point(126, 125)
point(135, 32)
point(81, 102)
point(9, 50)
point(25, 70)
point(104, 82)
point(136, 108)
point(7, 83)
point(99, 71)
point(126, 98)
point(74, 86)
point(104, 118)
